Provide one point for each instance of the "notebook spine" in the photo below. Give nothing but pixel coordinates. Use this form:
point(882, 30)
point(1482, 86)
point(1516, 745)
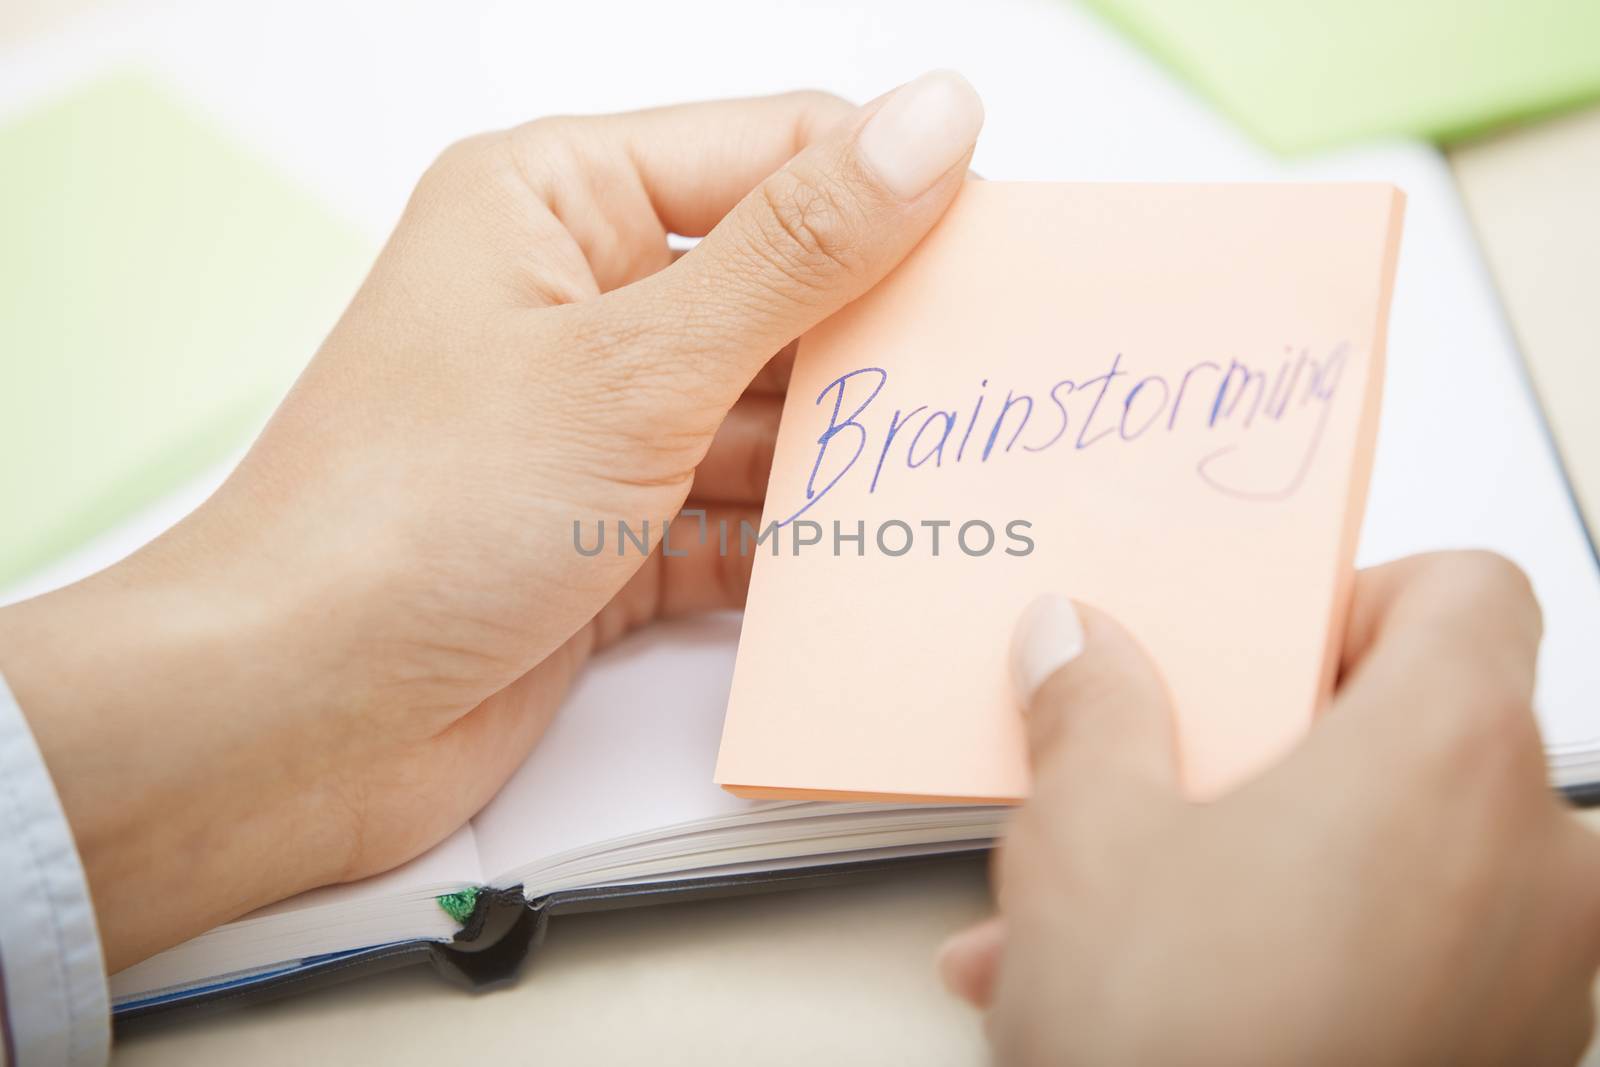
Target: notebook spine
point(493, 943)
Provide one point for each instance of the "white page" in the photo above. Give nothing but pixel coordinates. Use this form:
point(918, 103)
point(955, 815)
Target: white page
point(631, 751)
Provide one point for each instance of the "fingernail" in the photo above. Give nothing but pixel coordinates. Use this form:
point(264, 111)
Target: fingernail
point(1049, 635)
point(923, 129)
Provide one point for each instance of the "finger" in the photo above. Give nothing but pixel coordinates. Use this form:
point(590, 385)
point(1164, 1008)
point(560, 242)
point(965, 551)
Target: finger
point(739, 462)
point(1438, 677)
point(1582, 857)
point(700, 565)
point(1564, 947)
point(621, 183)
point(969, 961)
point(809, 239)
point(1577, 872)
point(1445, 624)
point(774, 376)
point(696, 161)
point(713, 572)
point(1098, 715)
point(1435, 589)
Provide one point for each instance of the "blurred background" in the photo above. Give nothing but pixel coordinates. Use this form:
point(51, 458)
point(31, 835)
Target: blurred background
point(190, 193)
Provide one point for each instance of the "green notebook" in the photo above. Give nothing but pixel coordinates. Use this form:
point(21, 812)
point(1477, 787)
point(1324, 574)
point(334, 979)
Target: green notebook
point(1305, 74)
point(160, 288)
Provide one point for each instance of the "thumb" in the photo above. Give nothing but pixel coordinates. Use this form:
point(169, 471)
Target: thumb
point(812, 236)
point(1099, 719)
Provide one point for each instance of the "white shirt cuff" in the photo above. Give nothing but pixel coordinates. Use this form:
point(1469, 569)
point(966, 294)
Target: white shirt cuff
point(54, 1008)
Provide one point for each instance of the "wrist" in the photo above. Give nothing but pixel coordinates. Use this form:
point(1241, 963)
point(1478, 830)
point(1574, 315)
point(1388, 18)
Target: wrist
point(162, 714)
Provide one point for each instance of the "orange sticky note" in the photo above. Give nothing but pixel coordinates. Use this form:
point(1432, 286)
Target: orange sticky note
point(1158, 399)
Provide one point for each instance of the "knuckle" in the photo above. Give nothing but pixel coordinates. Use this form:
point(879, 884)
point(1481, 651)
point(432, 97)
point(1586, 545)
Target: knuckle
point(472, 172)
point(818, 109)
point(539, 156)
point(1488, 593)
point(810, 229)
point(818, 100)
point(466, 159)
point(1479, 577)
point(548, 153)
point(547, 130)
point(1496, 575)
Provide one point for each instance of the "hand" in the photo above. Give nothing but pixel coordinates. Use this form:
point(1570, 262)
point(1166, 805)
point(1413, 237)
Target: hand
point(1403, 889)
point(340, 657)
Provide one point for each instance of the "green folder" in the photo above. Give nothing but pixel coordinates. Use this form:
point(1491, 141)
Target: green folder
point(160, 288)
point(1306, 74)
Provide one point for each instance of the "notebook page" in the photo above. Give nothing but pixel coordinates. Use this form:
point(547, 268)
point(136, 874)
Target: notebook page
point(630, 752)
